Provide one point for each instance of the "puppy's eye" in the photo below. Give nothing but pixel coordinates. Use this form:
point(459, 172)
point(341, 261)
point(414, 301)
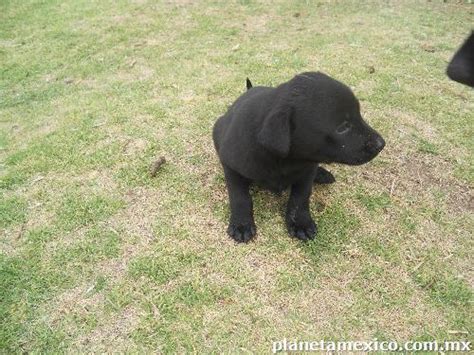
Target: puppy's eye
point(344, 127)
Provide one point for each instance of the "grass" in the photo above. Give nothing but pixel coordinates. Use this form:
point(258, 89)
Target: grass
point(96, 255)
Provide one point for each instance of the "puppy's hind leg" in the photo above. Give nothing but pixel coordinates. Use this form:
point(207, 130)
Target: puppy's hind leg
point(298, 218)
point(241, 226)
point(323, 176)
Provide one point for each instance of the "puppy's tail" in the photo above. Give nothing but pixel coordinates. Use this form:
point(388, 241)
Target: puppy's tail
point(249, 84)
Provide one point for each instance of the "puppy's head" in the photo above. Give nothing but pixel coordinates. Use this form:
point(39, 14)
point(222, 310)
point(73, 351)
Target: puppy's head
point(317, 118)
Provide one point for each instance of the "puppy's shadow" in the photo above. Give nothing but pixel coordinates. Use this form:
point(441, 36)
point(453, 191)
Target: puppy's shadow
point(335, 224)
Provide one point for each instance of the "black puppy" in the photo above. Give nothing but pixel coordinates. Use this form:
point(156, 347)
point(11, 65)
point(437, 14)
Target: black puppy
point(461, 66)
point(276, 137)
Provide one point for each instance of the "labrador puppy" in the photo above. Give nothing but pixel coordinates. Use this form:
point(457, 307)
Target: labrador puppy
point(461, 66)
point(276, 137)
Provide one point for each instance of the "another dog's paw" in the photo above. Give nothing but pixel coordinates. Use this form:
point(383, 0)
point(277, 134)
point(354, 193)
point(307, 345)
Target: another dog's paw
point(242, 233)
point(303, 231)
point(323, 176)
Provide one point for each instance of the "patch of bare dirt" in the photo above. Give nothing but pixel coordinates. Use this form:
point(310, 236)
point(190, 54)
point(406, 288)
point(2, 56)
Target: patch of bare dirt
point(406, 174)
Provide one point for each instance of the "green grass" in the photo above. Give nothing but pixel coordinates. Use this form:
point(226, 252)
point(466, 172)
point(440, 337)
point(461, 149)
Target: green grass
point(78, 210)
point(13, 210)
point(97, 255)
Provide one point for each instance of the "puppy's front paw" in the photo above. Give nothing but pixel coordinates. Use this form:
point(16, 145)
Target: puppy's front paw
point(302, 229)
point(241, 233)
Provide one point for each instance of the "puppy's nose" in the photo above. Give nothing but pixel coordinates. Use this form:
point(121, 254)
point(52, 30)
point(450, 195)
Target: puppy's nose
point(375, 145)
point(379, 143)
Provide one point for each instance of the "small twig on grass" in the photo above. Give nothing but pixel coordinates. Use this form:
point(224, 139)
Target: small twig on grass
point(420, 180)
point(418, 266)
point(429, 284)
point(124, 148)
point(98, 124)
point(156, 165)
point(36, 179)
point(90, 289)
point(454, 332)
point(449, 256)
point(392, 188)
point(114, 306)
point(37, 204)
point(20, 232)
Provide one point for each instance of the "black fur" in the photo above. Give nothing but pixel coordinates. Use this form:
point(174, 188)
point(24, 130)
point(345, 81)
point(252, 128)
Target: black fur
point(276, 137)
point(249, 84)
point(461, 67)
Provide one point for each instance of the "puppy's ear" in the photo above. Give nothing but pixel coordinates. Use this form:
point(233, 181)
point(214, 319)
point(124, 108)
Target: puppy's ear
point(275, 132)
